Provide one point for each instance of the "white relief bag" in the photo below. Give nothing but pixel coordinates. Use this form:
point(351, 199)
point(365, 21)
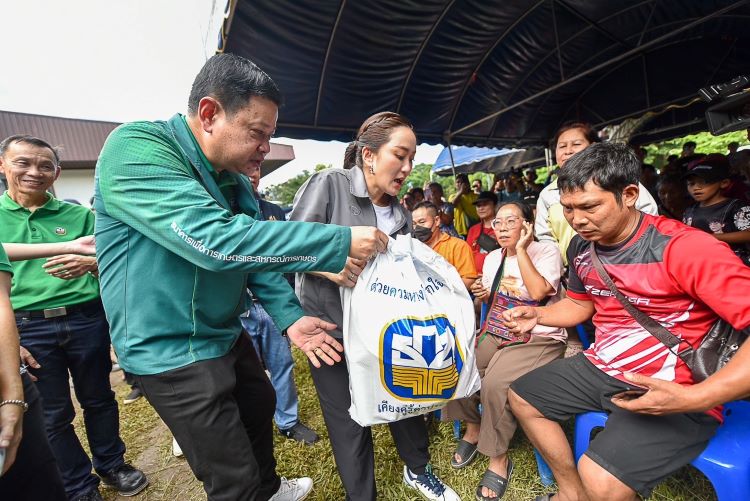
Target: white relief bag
point(408, 335)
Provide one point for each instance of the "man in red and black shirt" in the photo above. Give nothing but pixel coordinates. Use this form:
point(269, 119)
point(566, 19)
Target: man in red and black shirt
point(681, 277)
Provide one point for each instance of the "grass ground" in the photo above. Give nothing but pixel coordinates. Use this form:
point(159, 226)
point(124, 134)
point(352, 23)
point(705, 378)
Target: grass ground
point(149, 448)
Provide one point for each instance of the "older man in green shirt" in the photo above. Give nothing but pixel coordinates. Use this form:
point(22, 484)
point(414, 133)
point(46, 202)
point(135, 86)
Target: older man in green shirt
point(61, 322)
point(179, 240)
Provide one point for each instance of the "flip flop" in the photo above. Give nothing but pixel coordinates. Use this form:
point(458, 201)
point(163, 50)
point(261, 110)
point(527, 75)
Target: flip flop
point(495, 483)
point(468, 453)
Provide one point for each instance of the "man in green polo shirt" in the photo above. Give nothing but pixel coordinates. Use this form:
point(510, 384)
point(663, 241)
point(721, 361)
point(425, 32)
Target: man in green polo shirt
point(179, 241)
point(61, 322)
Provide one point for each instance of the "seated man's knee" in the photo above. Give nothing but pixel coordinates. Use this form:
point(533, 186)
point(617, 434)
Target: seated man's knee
point(601, 484)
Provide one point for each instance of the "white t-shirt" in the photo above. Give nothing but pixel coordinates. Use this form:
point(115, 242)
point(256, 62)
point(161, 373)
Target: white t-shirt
point(385, 218)
point(547, 260)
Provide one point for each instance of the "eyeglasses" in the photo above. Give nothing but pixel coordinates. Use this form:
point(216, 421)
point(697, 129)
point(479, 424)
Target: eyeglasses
point(508, 222)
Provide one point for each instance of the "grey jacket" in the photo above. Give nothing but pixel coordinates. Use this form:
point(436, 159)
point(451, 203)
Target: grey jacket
point(337, 196)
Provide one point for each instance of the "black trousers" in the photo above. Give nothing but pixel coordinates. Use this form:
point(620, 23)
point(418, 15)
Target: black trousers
point(220, 411)
point(34, 475)
point(352, 444)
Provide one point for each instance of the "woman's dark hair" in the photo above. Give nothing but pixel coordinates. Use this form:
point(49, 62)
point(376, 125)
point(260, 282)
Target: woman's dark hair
point(526, 210)
point(232, 80)
point(373, 133)
point(588, 132)
point(611, 166)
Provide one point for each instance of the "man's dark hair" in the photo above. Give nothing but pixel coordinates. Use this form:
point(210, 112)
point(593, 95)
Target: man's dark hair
point(462, 177)
point(427, 205)
point(416, 190)
point(232, 80)
point(611, 166)
point(32, 140)
point(434, 185)
point(689, 144)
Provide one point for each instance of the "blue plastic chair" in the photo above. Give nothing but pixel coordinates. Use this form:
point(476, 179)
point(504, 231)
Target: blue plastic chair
point(725, 461)
point(583, 336)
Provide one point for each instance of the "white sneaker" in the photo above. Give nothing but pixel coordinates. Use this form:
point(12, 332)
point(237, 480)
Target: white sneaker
point(176, 449)
point(295, 489)
point(429, 485)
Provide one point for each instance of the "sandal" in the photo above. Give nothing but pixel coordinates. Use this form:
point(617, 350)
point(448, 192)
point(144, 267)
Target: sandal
point(495, 483)
point(468, 453)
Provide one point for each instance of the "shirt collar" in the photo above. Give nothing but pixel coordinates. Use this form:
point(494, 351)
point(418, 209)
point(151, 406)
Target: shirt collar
point(358, 185)
point(52, 204)
point(443, 237)
point(212, 180)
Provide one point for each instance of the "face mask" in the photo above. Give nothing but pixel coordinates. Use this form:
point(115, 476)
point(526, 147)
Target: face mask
point(422, 233)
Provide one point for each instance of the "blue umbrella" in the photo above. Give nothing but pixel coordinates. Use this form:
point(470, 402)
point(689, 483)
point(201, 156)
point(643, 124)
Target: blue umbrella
point(468, 159)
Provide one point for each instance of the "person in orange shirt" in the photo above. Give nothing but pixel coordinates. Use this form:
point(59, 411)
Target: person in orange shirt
point(457, 252)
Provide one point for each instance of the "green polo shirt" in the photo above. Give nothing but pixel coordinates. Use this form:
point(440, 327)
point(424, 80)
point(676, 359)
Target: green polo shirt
point(56, 221)
point(4, 262)
point(175, 260)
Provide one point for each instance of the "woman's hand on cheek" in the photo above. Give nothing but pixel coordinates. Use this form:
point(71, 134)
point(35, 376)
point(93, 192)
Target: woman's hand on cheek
point(527, 236)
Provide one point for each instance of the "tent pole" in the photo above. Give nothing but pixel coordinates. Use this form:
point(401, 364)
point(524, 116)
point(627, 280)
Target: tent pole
point(450, 153)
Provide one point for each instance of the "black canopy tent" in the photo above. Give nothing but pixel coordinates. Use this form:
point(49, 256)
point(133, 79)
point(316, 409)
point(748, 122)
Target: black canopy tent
point(503, 73)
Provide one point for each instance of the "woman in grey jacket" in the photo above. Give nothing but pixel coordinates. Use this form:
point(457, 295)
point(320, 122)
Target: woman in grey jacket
point(363, 193)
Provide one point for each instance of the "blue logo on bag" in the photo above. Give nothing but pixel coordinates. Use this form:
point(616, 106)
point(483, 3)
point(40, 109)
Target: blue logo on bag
point(421, 358)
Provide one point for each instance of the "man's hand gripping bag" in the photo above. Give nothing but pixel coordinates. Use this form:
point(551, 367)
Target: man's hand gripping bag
point(408, 335)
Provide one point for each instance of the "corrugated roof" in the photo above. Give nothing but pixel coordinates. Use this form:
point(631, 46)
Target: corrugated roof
point(80, 141)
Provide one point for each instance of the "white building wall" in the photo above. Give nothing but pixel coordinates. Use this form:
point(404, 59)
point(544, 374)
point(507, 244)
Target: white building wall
point(77, 184)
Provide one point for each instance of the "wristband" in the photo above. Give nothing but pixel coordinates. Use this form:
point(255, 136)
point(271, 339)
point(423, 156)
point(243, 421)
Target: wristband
point(20, 403)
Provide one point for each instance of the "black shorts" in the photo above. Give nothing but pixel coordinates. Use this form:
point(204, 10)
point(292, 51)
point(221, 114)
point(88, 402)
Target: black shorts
point(638, 449)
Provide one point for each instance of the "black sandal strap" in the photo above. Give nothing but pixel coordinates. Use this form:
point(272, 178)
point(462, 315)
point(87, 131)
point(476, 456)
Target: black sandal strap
point(467, 451)
point(495, 483)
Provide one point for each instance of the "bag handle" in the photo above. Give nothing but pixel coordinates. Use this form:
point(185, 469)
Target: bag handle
point(652, 326)
point(496, 280)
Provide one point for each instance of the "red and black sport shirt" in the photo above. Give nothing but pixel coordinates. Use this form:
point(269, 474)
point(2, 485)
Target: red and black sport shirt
point(678, 275)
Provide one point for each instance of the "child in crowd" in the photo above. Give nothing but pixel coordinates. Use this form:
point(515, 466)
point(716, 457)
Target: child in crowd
point(726, 218)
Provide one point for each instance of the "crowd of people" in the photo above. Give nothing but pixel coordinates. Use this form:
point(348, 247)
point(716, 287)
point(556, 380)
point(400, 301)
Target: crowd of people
point(200, 286)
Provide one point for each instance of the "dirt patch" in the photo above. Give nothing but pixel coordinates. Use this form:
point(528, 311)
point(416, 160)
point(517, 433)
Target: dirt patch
point(149, 448)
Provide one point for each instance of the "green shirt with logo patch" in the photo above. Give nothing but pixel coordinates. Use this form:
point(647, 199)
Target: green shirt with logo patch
point(54, 222)
point(176, 256)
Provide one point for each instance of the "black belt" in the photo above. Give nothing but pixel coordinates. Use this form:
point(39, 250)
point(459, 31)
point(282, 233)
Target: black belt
point(89, 306)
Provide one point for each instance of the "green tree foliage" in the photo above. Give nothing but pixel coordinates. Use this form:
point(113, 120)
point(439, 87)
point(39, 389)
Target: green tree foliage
point(283, 193)
point(420, 175)
point(657, 153)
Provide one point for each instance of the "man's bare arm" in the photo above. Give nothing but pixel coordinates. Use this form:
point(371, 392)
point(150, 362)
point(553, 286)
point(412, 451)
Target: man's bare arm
point(22, 252)
point(11, 387)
